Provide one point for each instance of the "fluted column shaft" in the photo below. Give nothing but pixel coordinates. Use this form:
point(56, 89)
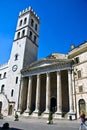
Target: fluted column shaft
point(37, 109)
point(47, 93)
point(70, 91)
point(59, 93)
point(20, 95)
point(29, 95)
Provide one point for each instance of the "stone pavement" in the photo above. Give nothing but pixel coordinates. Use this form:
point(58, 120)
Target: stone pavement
point(40, 124)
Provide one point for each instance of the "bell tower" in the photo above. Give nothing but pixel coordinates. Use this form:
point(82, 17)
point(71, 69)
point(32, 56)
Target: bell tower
point(24, 50)
point(25, 45)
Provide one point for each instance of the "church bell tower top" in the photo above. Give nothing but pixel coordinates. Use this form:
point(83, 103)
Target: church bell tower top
point(27, 10)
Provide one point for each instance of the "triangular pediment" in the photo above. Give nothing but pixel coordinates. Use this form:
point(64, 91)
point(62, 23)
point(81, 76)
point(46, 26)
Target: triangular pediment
point(49, 60)
point(42, 63)
point(45, 62)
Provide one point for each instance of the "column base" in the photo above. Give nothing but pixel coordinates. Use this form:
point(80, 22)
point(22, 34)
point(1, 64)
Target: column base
point(58, 115)
point(71, 116)
point(46, 114)
point(36, 113)
point(26, 113)
point(18, 112)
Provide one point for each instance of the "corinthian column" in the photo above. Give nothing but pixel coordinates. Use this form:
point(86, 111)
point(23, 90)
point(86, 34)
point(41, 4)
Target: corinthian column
point(70, 91)
point(59, 94)
point(20, 95)
point(71, 114)
point(58, 113)
point(47, 93)
point(37, 109)
point(29, 95)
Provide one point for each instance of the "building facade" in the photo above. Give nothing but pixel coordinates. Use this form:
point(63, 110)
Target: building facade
point(33, 87)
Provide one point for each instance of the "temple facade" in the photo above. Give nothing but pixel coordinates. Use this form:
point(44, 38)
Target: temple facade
point(32, 87)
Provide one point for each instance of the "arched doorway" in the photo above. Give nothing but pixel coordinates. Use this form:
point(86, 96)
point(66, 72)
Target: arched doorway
point(53, 104)
point(82, 105)
point(0, 106)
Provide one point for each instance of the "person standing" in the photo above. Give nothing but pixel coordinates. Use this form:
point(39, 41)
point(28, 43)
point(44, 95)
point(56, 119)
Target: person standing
point(82, 118)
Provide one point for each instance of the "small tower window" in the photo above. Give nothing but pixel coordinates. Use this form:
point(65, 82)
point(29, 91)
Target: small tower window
point(30, 35)
point(20, 23)
point(0, 76)
point(16, 80)
point(32, 22)
point(25, 20)
point(4, 75)
point(36, 27)
point(16, 57)
point(12, 91)
point(79, 74)
point(18, 35)
point(80, 88)
point(2, 88)
point(23, 33)
point(35, 39)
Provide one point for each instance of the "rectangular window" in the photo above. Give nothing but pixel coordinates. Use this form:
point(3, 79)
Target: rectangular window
point(80, 88)
point(16, 80)
point(12, 91)
point(79, 74)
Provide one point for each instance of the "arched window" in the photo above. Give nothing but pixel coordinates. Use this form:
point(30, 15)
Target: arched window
point(20, 23)
point(18, 35)
point(36, 27)
point(2, 88)
point(34, 38)
point(12, 92)
point(16, 56)
point(25, 20)
point(23, 33)
point(32, 22)
point(4, 75)
point(30, 35)
point(82, 105)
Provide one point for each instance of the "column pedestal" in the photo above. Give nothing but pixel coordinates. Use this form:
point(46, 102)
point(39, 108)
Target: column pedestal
point(58, 115)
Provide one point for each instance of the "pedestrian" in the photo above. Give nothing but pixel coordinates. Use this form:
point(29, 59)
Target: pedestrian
point(5, 126)
point(82, 118)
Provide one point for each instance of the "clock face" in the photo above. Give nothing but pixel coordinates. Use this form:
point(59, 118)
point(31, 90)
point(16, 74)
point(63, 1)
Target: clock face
point(14, 68)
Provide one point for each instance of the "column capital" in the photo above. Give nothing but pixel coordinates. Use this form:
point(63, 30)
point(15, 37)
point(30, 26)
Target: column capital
point(38, 75)
point(47, 73)
point(69, 71)
point(58, 72)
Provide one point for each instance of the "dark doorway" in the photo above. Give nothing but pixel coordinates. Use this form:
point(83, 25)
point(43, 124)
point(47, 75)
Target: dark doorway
point(10, 110)
point(53, 104)
point(0, 106)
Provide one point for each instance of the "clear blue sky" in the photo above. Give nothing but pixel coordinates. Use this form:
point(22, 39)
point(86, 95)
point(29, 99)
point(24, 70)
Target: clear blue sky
point(63, 22)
